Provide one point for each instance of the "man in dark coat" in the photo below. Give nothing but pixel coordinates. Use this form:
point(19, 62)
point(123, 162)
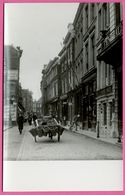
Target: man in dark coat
point(20, 121)
point(34, 119)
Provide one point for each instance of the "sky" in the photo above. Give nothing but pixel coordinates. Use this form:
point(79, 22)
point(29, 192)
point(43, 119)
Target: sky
point(39, 29)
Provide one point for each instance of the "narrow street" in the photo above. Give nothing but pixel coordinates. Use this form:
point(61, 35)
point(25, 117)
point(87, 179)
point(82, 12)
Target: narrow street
point(72, 146)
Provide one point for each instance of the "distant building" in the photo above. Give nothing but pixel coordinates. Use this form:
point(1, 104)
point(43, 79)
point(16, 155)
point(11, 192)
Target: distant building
point(43, 87)
point(50, 88)
point(27, 100)
point(37, 107)
point(20, 99)
point(69, 74)
point(63, 84)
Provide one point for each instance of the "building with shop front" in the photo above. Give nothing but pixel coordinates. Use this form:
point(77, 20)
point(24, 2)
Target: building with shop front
point(37, 107)
point(78, 61)
point(50, 88)
point(68, 73)
point(63, 85)
point(12, 57)
point(90, 74)
point(27, 100)
point(109, 71)
point(89, 66)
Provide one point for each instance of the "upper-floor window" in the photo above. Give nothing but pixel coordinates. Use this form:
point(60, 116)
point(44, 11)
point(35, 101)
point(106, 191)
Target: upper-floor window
point(92, 11)
point(55, 89)
point(105, 16)
point(93, 50)
point(117, 11)
point(62, 86)
point(86, 17)
point(99, 22)
point(65, 85)
point(86, 56)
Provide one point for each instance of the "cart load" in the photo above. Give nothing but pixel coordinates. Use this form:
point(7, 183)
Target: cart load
point(47, 126)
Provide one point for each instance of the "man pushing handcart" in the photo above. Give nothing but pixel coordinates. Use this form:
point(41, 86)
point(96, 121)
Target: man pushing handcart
point(48, 126)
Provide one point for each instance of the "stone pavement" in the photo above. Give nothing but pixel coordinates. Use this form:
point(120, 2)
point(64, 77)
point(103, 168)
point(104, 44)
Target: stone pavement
point(5, 127)
point(12, 141)
point(93, 135)
point(72, 146)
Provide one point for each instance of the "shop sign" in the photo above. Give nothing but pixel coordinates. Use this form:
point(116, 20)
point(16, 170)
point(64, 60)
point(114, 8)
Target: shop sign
point(64, 103)
point(13, 112)
point(13, 75)
point(6, 112)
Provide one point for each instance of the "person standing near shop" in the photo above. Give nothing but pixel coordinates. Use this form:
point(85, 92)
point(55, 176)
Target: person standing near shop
point(30, 119)
point(20, 121)
point(75, 122)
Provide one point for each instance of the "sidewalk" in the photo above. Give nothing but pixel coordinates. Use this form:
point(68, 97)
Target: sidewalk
point(93, 135)
point(12, 142)
point(5, 127)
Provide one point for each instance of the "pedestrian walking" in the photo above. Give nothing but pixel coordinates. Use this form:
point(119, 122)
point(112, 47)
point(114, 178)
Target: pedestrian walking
point(35, 119)
point(20, 121)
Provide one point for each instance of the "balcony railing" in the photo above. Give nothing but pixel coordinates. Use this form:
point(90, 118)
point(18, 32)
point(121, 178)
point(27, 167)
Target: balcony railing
point(104, 91)
point(109, 37)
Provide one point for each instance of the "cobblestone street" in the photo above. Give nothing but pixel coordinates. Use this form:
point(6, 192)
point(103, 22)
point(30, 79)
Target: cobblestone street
point(72, 146)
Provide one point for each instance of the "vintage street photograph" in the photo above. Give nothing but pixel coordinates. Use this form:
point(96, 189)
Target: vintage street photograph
point(63, 81)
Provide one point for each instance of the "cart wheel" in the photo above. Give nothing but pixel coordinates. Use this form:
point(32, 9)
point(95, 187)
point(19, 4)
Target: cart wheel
point(58, 137)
